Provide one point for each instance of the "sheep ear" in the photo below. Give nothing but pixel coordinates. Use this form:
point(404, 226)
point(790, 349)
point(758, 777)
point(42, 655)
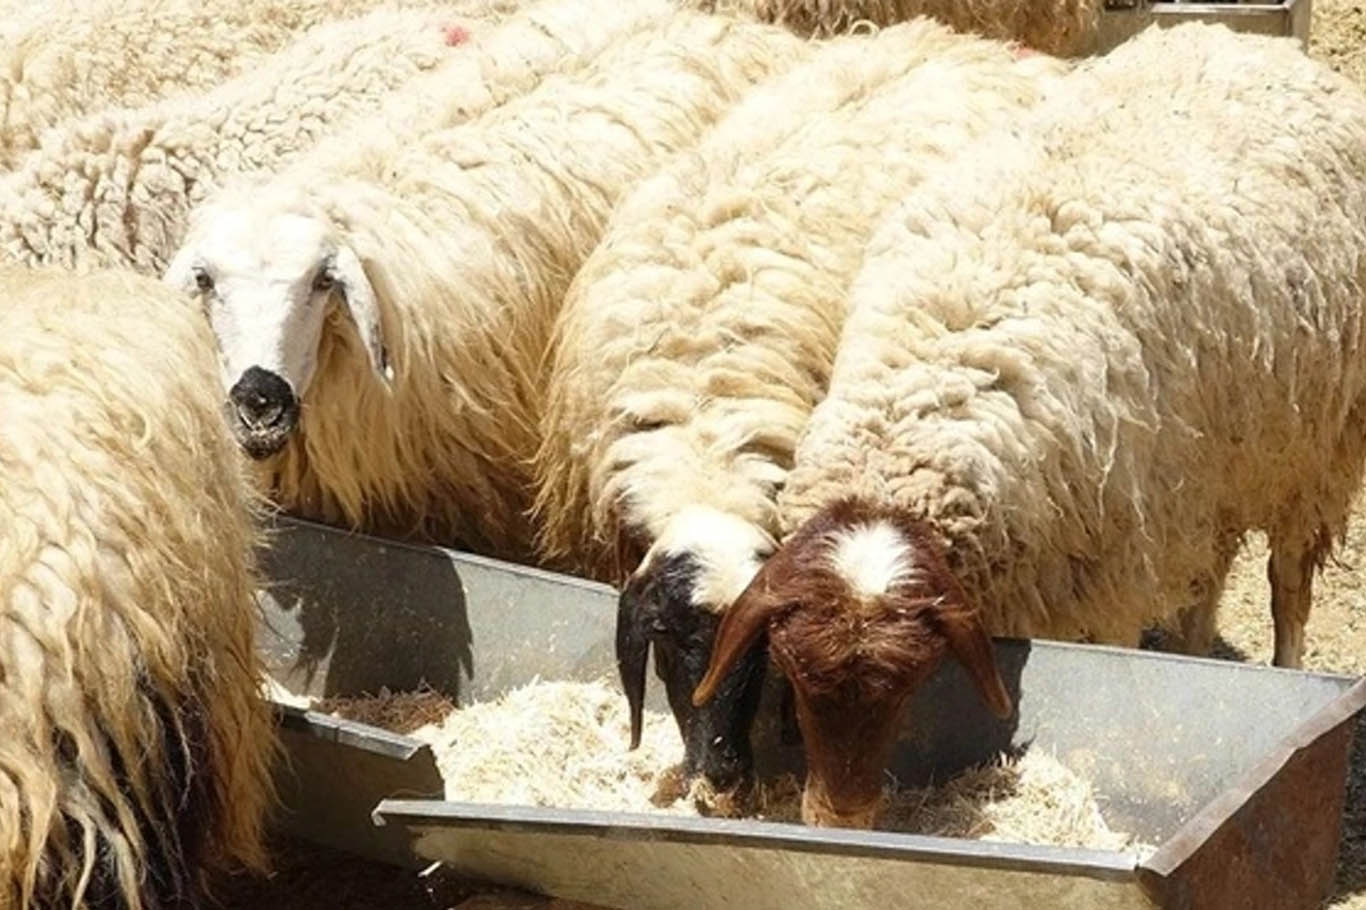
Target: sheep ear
point(633, 654)
point(177, 274)
point(962, 625)
point(740, 626)
point(359, 296)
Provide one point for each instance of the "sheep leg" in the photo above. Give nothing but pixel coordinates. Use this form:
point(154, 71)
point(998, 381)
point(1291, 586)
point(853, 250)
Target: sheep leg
point(1196, 624)
point(1291, 573)
point(1195, 629)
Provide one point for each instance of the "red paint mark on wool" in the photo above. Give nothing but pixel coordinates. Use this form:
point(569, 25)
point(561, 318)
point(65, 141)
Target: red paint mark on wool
point(456, 35)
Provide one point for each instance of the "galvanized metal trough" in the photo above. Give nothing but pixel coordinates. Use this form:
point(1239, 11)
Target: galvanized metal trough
point(1236, 771)
point(1122, 19)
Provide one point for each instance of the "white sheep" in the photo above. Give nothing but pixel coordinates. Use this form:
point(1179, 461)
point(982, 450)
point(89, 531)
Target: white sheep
point(694, 343)
point(117, 189)
point(416, 415)
point(136, 752)
point(114, 189)
point(59, 61)
point(1064, 27)
point(1081, 363)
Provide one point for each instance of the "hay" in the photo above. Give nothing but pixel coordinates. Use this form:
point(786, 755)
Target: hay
point(558, 744)
point(398, 712)
point(563, 745)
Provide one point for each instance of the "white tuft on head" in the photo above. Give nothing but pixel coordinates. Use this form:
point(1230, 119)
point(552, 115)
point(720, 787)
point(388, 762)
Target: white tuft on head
point(872, 558)
point(729, 550)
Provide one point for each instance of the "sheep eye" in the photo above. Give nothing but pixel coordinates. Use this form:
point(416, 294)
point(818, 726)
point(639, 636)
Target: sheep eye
point(323, 282)
point(203, 280)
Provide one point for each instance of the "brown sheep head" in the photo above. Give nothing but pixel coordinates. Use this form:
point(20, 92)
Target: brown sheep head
point(860, 607)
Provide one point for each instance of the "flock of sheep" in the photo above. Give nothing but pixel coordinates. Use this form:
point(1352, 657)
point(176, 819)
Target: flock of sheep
point(845, 346)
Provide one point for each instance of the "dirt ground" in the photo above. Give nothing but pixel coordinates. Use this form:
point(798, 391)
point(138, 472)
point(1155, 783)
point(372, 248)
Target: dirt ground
point(309, 878)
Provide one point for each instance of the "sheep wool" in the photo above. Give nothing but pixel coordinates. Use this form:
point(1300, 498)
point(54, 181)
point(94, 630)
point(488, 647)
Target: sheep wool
point(1062, 27)
point(551, 36)
point(135, 752)
point(694, 342)
point(114, 189)
point(483, 227)
point(66, 60)
point(1094, 354)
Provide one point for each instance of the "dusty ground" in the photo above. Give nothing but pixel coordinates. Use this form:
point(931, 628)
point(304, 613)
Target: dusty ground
point(1336, 643)
point(1338, 36)
point(311, 879)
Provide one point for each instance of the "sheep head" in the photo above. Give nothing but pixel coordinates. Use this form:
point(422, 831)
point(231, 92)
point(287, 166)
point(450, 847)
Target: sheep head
point(859, 607)
point(267, 275)
point(674, 601)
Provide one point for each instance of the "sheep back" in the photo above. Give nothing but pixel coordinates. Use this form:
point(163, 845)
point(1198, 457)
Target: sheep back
point(68, 60)
point(1095, 353)
point(695, 340)
point(114, 189)
point(136, 749)
point(1064, 27)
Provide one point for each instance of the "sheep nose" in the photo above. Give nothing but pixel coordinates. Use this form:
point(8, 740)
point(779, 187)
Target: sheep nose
point(818, 812)
point(723, 766)
point(261, 398)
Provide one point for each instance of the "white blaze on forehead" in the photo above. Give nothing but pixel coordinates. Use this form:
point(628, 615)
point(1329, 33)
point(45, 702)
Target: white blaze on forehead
point(872, 558)
point(729, 551)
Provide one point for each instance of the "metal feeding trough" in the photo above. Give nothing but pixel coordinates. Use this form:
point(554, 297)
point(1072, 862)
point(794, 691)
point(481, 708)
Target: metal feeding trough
point(1236, 772)
point(1122, 19)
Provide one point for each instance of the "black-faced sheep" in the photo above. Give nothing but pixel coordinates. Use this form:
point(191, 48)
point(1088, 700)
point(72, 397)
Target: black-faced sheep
point(382, 328)
point(135, 750)
point(1080, 364)
point(1062, 27)
point(695, 341)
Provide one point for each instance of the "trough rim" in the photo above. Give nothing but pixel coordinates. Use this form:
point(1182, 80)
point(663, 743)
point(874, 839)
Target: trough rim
point(417, 814)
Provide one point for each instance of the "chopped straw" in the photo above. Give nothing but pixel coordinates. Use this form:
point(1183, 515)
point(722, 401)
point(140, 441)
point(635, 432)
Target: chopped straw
point(398, 712)
point(563, 745)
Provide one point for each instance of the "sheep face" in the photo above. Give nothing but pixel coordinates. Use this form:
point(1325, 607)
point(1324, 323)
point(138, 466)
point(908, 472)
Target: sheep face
point(267, 280)
point(860, 608)
point(674, 601)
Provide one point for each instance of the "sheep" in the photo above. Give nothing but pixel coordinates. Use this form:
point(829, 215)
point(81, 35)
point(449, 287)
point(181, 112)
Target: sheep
point(117, 188)
point(136, 751)
point(112, 190)
point(409, 410)
point(61, 62)
point(552, 36)
point(1081, 363)
point(693, 344)
point(1059, 27)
